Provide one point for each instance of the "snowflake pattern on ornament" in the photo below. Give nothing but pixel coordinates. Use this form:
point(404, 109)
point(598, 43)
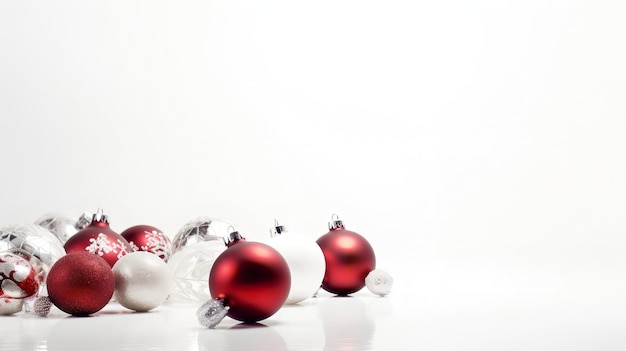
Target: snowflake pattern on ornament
point(157, 244)
point(101, 246)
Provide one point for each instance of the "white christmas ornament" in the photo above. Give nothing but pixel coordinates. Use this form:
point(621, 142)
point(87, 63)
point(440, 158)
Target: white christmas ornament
point(305, 260)
point(142, 281)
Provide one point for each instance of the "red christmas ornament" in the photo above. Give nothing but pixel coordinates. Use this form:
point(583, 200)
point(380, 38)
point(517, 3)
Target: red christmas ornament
point(80, 283)
point(18, 279)
point(349, 259)
point(252, 279)
point(150, 239)
point(99, 239)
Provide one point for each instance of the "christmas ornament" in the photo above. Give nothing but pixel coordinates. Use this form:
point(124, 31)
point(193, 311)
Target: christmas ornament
point(349, 259)
point(18, 279)
point(199, 230)
point(63, 227)
point(80, 283)
point(10, 306)
point(379, 282)
point(249, 280)
point(305, 259)
point(195, 247)
point(191, 267)
point(33, 242)
point(142, 281)
point(98, 238)
point(150, 239)
point(37, 305)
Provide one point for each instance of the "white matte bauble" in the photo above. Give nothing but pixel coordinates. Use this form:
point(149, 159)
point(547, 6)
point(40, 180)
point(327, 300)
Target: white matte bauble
point(142, 281)
point(305, 260)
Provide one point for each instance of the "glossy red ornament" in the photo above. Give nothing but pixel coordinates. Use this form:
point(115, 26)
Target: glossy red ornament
point(98, 238)
point(80, 283)
point(349, 259)
point(150, 239)
point(252, 278)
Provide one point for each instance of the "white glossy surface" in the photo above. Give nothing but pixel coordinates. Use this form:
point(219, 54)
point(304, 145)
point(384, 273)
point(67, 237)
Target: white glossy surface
point(452, 307)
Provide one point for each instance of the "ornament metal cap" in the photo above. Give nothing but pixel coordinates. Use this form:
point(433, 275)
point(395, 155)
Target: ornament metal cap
point(277, 229)
point(99, 216)
point(232, 237)
point(335, 222)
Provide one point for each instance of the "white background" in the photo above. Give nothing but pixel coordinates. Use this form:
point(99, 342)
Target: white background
point(478, 145)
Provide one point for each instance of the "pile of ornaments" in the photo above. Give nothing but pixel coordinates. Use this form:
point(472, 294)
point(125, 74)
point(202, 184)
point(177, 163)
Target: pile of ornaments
point(80, 265)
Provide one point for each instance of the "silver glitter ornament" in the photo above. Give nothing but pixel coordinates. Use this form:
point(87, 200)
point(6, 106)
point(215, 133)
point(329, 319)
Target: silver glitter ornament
point(64, 227)
point(39, 306)
point(211, 313)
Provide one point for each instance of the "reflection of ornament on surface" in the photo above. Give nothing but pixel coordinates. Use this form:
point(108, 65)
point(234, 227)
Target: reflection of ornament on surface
point(305, 260)
point(257, 336)
point(150, 239)
point(349, 259)
point(347, 324)
point(379, 282)
point(142, 281)
point(251, 279)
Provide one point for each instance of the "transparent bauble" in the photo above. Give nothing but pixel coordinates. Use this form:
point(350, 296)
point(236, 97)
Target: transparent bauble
point(33, 242)
point(62, 226)
point(199, 230)
point(191, 266)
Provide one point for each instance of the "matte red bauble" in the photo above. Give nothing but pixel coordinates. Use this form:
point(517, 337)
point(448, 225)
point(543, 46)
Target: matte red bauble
point(252, 279)
point(349, 259)
point(80, 283)
point(98, 238)
point(150, 239)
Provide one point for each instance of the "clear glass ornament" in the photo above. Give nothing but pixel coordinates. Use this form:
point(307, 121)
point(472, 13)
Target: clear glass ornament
point(63, 227)
point(33, 242)
point(191, 267)
point(199, 230)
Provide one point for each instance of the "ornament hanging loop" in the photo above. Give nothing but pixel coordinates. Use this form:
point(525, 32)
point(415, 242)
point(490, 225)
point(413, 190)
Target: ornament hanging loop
point(232, 237)
point(335, 222)
point(99, 216)
point(278, 229)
